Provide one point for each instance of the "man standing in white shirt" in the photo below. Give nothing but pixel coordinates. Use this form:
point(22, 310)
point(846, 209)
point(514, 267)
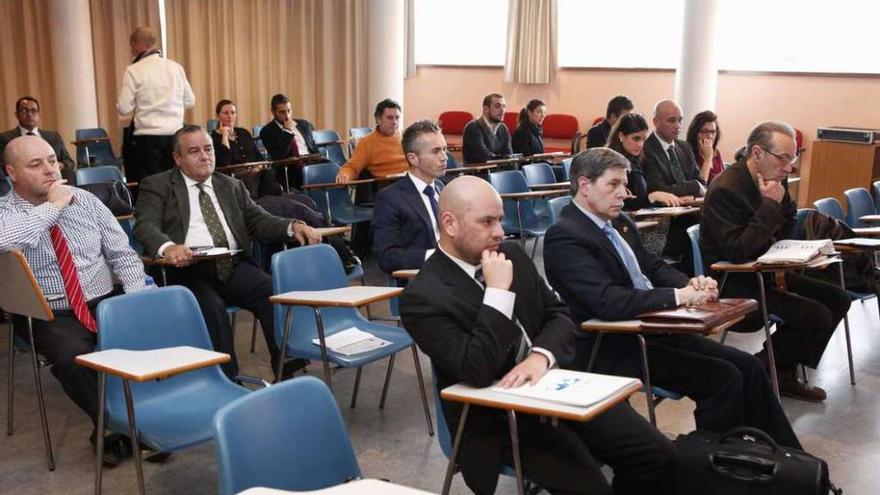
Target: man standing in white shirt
point(155, 90)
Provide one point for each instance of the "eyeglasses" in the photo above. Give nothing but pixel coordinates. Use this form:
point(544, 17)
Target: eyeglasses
point(29, 110)
point(788, 159)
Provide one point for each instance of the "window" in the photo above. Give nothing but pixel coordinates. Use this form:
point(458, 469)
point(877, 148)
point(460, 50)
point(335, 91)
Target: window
point(631, 34)
point(460, 32)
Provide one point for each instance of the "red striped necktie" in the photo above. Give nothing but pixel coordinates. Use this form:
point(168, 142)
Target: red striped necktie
point(72, 287)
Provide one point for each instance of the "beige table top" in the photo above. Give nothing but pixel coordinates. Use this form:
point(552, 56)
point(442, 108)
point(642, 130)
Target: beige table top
point(348, 297)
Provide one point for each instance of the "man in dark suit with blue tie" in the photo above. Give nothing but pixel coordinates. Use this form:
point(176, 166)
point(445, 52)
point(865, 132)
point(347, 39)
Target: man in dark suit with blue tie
point(595, 259)
point(404, 222)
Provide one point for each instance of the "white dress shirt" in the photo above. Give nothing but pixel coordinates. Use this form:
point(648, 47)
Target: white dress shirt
point(24, 132)
point(503, 301)
point(157, 91)
point(420, 187)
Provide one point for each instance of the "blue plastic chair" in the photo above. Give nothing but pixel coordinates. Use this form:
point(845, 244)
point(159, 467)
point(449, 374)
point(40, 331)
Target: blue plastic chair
point(858, 204)
point(693, 233)
point(566, 168)
point(100, 151)
point(799, 219)
point(335, 203)
point(539, 173)
point(556, 206)
point(211, 125)
point(354, 134)
point(519, 216)
point(830, 207)
point(329, 141)
point(876, 188)
point(315, 268)
point(256, 130)
point(97, 175)
point(290, 437)
point(176, 412)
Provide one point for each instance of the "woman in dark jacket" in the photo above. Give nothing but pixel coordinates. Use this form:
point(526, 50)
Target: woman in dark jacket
point(527, 136)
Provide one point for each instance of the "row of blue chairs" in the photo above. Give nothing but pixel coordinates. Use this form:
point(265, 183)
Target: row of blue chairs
point(168, 419)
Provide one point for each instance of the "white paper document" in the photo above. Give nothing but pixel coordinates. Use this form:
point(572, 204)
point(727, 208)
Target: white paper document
point(352, 341)
point(792, 251)
point(213, 251)
point(573, 388)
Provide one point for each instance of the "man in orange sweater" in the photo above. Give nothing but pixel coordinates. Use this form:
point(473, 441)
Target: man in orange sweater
point(380, 151)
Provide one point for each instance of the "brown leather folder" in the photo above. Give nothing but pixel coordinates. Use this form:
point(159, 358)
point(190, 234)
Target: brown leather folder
point(705, 316)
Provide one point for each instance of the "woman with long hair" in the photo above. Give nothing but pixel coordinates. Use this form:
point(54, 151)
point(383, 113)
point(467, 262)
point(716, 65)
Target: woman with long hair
point(703, 135)
point(628, 138)
point(527, 138)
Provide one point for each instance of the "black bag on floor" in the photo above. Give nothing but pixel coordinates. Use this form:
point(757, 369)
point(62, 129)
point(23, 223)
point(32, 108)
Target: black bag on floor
point(747, 461)
point(114, 195)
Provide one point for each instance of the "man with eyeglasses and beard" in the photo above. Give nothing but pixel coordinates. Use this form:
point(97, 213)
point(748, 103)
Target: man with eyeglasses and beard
point(747, 209)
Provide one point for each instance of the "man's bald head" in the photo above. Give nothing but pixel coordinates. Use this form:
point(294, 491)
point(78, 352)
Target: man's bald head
point(32, 166)
point(459, 195)
point(470, 218)
point(142, 39)
point(667, 120)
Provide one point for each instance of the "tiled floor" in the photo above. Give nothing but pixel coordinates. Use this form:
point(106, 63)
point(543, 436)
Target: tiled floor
point(394, 444)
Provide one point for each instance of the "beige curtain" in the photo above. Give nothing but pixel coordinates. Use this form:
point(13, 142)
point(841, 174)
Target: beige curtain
point(531, 41)
point(113, 21)
point(25, 67)
point(313, 51)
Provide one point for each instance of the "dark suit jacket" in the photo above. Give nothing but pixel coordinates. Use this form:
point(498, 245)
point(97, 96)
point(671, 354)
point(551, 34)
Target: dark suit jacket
point(51, 137)
point(738, 223)
point(583, 266)
point(658, 173)
point(277, 141)
point(527, 139)
point(402, 229)
point(598, 134)
point(162, 212)
point(478, 144)
point(470, 342)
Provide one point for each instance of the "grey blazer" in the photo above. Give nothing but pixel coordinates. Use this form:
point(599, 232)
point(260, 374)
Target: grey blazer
point(162, 212)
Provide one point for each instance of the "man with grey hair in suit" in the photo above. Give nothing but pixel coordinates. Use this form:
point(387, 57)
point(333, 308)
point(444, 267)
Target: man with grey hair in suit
point(192, 205)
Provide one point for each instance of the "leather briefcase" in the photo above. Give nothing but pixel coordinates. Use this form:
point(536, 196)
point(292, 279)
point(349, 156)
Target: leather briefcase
point(705, 315)
point(747, 461)
point(114, 194)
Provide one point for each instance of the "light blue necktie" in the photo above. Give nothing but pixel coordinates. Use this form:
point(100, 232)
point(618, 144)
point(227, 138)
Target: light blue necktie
point(629, 260)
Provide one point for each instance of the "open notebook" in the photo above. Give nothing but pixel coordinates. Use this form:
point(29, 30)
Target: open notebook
point(574, 388)
point(792, 251)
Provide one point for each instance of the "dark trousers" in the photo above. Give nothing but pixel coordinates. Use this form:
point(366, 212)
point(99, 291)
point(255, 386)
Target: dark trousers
point(730, 387)
point(566, 459)
point(811, 310)
point(61, 341)
point(249, 287)
point(149, 155)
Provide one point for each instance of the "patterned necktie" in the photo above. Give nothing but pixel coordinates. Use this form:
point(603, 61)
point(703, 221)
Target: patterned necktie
point(675, 165)
point(429, 192)
point(72, 287)
point(30, 133)
point(629, 260)
point(215, 228)
point(294, 148)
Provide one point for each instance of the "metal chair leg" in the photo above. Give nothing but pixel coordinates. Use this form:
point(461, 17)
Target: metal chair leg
point(328, 375)
point(771, 354)
point(422, 390)
point(50, 456)
point(456, 444)
point(534, 248)
point(357, 383)
point(10, 379)
point(99, 433)
point(649, 392)
point(132, 434)
point(254, 334)
point(514, 446)
point(387, 380)
point(849, 355)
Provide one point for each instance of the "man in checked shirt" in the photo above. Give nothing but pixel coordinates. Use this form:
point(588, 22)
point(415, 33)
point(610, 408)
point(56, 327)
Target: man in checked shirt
point(87, 231)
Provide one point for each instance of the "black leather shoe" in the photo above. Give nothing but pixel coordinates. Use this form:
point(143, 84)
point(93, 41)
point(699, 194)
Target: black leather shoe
point(117, 448)
point(791, 386)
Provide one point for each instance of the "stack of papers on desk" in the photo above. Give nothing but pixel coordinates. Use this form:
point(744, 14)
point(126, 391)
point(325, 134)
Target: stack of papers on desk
point(574, 388)
point(352, 341)
point(214, 251)
point(791, 251)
